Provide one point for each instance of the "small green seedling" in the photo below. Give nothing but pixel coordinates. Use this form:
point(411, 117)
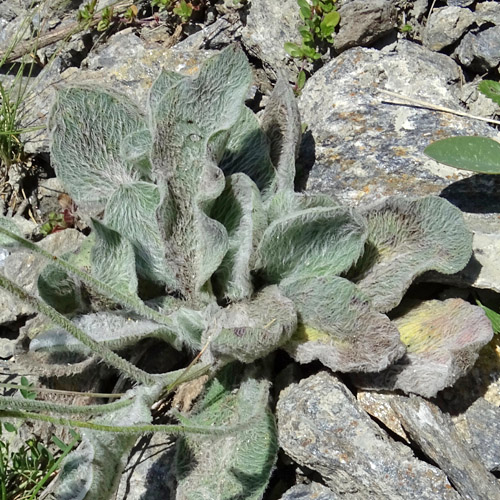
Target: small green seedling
point(183, 10)
point(86, 13)
point(320, 20)
point(106, 19)
point(161, 4)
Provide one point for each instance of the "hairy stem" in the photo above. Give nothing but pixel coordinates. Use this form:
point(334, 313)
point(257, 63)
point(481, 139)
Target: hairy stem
point(111, 358)
point(7, 402)
point(130, 429)
point(124, 299)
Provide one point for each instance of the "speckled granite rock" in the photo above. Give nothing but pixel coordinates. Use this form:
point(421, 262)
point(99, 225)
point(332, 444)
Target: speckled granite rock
point(362, 23)
point(446, 26)
point(313, 491)
point(433, 431)
point(481, 51)
point(321, 426)
point(366, 149)
point(269, 26)
point(483, 425)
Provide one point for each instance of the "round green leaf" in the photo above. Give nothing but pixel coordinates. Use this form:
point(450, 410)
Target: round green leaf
point(478, 154)
point(293, 50)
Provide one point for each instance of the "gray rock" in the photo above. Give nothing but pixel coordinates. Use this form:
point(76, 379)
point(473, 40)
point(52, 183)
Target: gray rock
point(313, 491)
point(130, 71)
point(483, 420)
point(480, 52)
point(366, 149)
point(214, 36)
point(435, 434)
point(482, 271)
point(148, 474)
point(488, 12)
point(321, 426)
point(269, 26)
point(7, 348)
point(446, 26)
point(460, 3)
point(362, 23)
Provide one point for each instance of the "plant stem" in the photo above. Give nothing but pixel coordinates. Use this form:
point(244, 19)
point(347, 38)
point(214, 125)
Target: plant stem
point(125, 300)
point(8, 402)
point(173, 429)
point(59, 391)
point(111, 358)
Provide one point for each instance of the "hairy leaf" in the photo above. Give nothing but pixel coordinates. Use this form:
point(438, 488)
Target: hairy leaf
point(313, 242)
point(93, 470)
point(233, 466)
point(191, 124)
point(239, 208)
point(113, 259)
point(131, 211)
point(339, 327)
point(114, 330)
point(9, 225)
point(442, 341)
point(253, 329)
point(281, 124)
point(288, 202)
point(88, 127)
point(247, 150)
point(60, 290)
point(406, 238)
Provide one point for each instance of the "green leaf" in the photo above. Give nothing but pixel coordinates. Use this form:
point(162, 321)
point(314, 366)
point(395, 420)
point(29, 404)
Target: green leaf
point(479, 154)
point(9, 225)
point(301, 80)
point(329, 22)
point(191, 125)
point(303, 4)
point(9, 427)
point(132, 211)
point(490, 89)
point(493, 316)
point(94, 469)
point(27, 394)
point(314, 242)
point(305, 12)
point(61, 290)
point(339, 327)
point(237, 465)
point(119, 331)
point(442, 338)
point(293, 49)
point(247, 151)
point(113, 259)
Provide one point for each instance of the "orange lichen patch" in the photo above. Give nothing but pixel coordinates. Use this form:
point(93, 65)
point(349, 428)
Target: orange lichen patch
point(399, 151)
point(352, 116)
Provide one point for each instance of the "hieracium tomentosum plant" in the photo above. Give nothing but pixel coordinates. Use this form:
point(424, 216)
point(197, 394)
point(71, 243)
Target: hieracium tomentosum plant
point(200, 241)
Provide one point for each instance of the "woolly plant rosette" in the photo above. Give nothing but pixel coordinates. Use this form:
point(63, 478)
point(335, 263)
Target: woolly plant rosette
point(204, 242)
